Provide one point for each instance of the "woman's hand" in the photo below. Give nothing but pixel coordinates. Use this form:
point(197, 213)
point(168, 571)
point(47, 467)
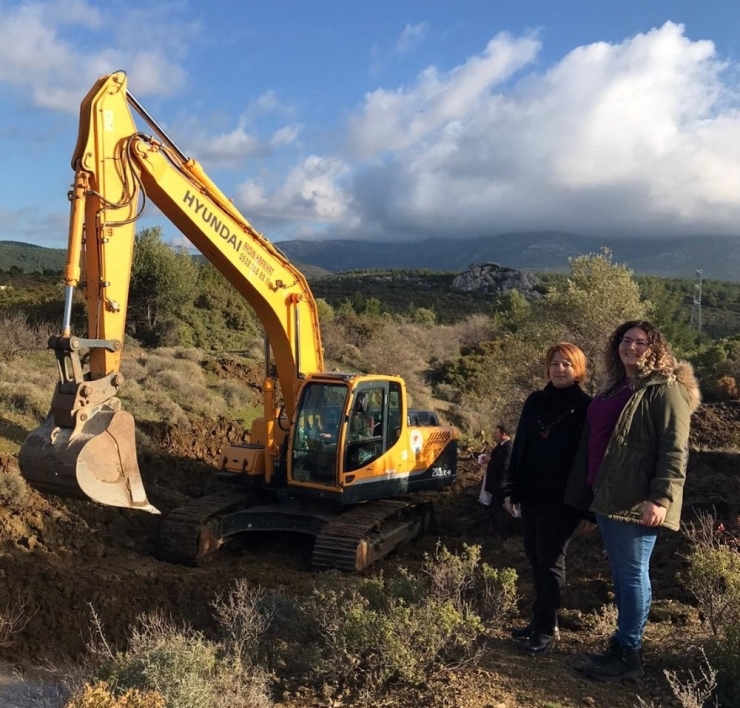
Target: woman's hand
point(653, 514)
point(508, 505)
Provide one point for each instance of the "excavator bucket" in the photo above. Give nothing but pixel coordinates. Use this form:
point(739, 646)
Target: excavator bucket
point(95, 461)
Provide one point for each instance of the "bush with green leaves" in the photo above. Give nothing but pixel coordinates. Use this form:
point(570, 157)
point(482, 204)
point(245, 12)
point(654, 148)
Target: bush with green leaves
point(713, 573)
point(724, 654)
point(398, 629)
point(713, 576)
point(185, 668)
point(494, 376)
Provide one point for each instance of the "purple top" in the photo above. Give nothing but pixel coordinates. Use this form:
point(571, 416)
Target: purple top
point(602, 416)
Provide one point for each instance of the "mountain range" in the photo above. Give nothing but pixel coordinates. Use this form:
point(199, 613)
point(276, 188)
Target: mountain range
point(717, 256)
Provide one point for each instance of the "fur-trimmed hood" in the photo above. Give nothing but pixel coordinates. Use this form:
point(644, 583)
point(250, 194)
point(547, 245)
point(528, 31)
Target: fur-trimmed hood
point(682, 373)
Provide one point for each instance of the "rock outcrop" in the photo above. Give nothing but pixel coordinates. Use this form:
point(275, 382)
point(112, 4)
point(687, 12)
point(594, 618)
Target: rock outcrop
point(496, 279)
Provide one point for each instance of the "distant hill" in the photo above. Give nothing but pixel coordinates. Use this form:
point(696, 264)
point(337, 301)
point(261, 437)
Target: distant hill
point(30, 258)
point(717, 256)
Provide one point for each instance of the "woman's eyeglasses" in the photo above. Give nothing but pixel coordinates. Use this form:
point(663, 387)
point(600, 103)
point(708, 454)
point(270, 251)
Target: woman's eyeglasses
point(637, 342)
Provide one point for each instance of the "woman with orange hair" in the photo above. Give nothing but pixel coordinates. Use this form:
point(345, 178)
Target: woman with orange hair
point(546, 442)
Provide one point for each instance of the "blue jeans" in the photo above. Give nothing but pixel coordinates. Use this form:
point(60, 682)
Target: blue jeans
point(629, 546)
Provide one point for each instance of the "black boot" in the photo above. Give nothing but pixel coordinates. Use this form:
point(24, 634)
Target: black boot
point(612, 649)
point(538, 644)
point(617, 664)
point(524, 633)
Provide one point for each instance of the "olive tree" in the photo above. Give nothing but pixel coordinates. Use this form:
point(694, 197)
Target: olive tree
point(162, 280)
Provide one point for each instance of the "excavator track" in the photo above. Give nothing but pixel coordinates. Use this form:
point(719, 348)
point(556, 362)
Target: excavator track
point(192, 532)
point(366, 533)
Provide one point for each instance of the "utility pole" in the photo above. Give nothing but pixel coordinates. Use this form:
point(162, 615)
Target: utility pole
point(696, 309)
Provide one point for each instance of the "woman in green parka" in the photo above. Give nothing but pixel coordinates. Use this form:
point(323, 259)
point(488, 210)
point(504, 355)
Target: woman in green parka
point(630, 471)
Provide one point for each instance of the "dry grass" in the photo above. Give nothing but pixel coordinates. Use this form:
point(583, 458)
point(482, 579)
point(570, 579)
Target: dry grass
point(18, 335)
point(14, 492)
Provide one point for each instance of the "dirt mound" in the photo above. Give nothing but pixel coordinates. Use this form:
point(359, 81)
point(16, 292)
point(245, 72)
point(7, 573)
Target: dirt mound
point(246, 371)
point(716, 426)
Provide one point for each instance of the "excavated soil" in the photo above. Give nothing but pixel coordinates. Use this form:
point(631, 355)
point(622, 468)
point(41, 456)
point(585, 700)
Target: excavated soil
point(62, 558)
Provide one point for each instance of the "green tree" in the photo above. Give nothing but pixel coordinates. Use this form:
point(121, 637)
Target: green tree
point(162, 280)
point(669, 309)
point(492, 379)
point(325, 310)
point(597, 296)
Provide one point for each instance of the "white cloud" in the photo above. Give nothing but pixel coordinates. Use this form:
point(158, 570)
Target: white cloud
point(228, 149)
point(285, 135)
point(40, 52)
point(411, 36)
point(392, 120)
point(636, 137)
point(312, 192)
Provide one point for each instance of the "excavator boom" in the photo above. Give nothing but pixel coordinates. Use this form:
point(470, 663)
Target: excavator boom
point(86, 446)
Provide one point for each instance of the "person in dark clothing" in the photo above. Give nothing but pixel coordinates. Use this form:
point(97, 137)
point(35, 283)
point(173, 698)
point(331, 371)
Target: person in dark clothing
point(545, 444)
point(497, 472)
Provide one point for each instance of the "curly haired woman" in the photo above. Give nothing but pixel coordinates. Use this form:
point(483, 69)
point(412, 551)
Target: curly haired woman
point(630, 471)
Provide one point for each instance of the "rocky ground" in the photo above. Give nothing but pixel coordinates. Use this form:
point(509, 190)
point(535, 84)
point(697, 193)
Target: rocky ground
point(61, 559)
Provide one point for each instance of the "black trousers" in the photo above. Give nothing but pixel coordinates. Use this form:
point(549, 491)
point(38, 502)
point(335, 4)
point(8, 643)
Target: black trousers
point(503, 521)
point(547, 529)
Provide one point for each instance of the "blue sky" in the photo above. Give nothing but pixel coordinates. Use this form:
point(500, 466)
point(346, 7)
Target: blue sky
point(395, 119)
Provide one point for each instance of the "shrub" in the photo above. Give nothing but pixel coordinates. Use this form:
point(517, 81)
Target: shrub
point(692, 691)
point(399, 629)
point(185, 668)
point(101, 696)
point(18, 335)
point(471, 585)
point(13, 619)
point(713, 574)
point(242, 616)
point(369, 645)
point(603, 621)
point(724, 654)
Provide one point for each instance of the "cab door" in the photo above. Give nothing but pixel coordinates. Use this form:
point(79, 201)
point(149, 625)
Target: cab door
point(373, 426)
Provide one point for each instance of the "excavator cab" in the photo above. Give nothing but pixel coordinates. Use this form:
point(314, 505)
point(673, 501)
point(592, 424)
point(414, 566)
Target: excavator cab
point(343, 424)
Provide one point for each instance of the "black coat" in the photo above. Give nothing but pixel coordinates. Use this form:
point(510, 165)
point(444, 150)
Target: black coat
point(497, 470)
point(545, 445)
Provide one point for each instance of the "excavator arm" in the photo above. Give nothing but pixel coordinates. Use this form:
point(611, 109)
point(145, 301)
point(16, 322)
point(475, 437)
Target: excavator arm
point(86, 445)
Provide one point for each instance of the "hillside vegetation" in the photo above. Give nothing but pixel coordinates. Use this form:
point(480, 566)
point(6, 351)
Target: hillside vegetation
point(28, 258)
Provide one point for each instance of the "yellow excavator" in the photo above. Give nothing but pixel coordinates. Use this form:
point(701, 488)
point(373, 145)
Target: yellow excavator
point(338, 459)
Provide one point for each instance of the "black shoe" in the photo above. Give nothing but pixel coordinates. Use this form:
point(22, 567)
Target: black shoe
point(623, 664)
point(538, 644)
point(524, 633)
